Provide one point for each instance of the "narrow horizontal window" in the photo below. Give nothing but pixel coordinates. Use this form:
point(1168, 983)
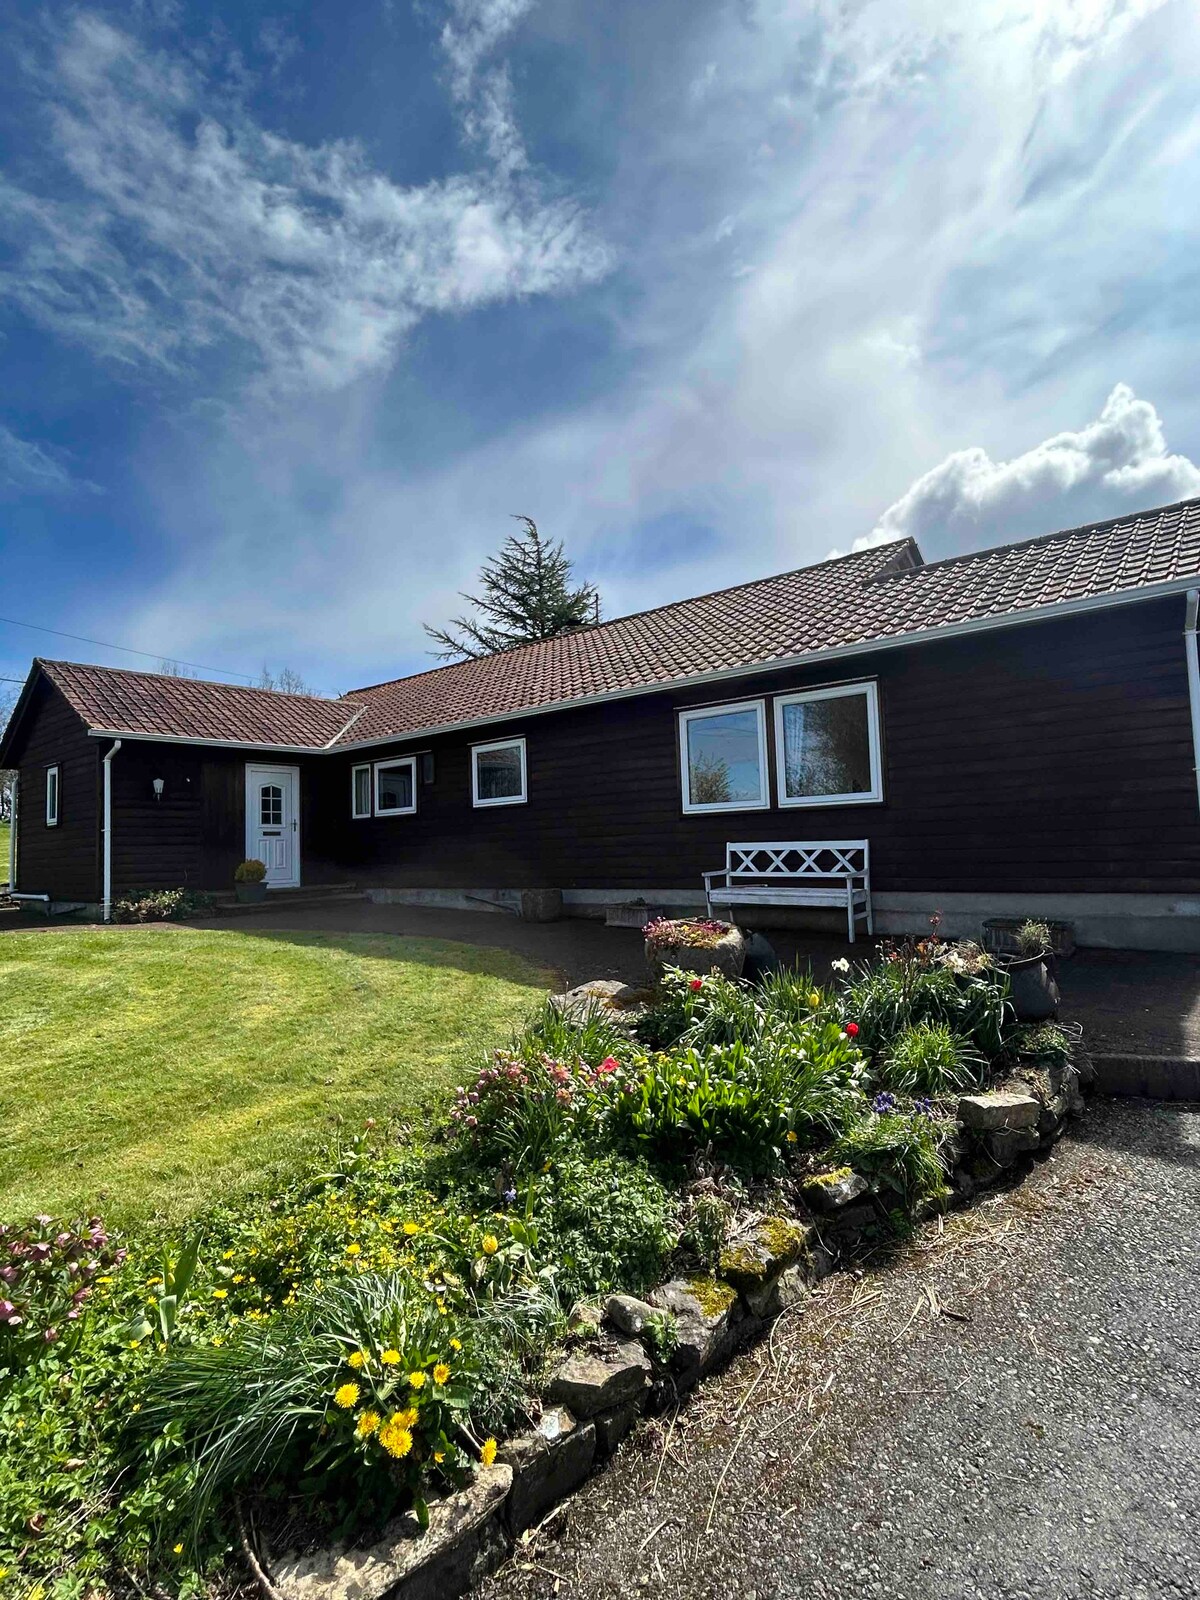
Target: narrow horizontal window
point(827, 746)
point(723, 756)
point(52, 797)
point(396, 787)
point(360, 791)
point(498, 773)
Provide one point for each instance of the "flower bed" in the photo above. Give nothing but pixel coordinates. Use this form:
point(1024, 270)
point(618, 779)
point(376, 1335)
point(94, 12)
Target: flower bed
point(349, 1347)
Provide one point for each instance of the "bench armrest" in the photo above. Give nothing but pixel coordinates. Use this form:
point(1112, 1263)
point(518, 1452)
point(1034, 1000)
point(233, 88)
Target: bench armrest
point(720, 872)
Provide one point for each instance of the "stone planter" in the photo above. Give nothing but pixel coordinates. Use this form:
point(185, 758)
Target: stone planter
point(727, 956)
point(1035, 995)
point(250, 894)
point(541, 905)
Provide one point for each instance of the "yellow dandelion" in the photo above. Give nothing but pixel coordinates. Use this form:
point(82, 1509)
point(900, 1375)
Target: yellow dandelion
point(407, 1419)
point(346, 1396)
point(178, 1549)
point(356, 1359)
point(220, 1294)
point(490, 1244)
point(456, 1344)
point(395, 1438)
point(416, 1380)
point(814, 999)
point(439, 1456)
point(367, 1424)
point(441, 1373)
point(792, 1136)
point(390, 1358)
point(410, 1228)
point(488, 1454)
point(354, 1249)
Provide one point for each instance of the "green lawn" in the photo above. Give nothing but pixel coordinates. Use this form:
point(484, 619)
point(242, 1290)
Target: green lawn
point(147, 1070)
point(4, 832)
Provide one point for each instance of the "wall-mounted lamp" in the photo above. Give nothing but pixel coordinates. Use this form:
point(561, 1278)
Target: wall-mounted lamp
point(159, 786)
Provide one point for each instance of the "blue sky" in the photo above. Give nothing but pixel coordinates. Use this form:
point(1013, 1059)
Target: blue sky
point(299, 303)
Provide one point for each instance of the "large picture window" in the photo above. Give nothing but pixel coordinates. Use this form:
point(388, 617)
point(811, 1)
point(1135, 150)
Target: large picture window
point(827, 746)
point(723, 755)
point(52, 797)
point(498, 773)
point(396, 787)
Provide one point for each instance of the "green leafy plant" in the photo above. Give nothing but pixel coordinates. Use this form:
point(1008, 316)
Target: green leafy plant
point(1046, 1043)
point(928, 1059)
point(251, 871)
point(162, 905)
point(662, 1335)
point(1033, 937)
point(899, 1150)
point(889, 996)
point(177, 1271)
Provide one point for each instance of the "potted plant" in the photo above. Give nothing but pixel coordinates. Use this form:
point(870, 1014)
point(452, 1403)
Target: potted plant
point(696, 944)
point(249, 882)
point(1030, 970)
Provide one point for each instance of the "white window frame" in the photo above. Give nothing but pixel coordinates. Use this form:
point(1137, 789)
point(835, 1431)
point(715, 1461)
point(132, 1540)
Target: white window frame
point(396, 811)
point(362, 766)
point(502, 800)
point(53, 787)
point(869, 689)
point(763, 803)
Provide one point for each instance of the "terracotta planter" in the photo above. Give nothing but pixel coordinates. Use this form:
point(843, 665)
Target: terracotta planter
point(727, 956)
point(250, 894)
point(1035, 995)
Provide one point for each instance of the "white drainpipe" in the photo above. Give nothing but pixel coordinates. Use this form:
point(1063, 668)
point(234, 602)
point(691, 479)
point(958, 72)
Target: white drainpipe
point(12, 838)
point(108, 829)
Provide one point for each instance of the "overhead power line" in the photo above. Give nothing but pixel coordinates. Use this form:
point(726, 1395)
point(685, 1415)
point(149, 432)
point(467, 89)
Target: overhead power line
point(151, 655)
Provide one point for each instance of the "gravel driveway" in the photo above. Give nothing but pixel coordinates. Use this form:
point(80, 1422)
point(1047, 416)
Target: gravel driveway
point(1011, 1409)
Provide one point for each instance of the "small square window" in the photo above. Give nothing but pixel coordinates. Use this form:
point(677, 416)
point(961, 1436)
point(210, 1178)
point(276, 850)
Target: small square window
point(396, 787)
point(52, 797)
point(723, 756)
point(360, 791)
point(498, 773)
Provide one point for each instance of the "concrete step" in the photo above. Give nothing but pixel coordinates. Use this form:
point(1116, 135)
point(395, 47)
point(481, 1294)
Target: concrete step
point(288, 900)
point(1147, 1077)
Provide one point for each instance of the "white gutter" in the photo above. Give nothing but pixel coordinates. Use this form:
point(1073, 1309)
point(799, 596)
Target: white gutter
point(107, 913)
point(1193, 673)
point(892, 641)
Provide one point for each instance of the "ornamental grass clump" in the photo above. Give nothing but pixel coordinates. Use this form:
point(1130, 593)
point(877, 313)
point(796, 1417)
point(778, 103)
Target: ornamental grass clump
point(928, 1059)
point(366, 1387)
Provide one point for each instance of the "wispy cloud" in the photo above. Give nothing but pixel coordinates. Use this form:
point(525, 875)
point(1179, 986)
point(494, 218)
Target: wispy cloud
point(187, 226)
point(30, 468)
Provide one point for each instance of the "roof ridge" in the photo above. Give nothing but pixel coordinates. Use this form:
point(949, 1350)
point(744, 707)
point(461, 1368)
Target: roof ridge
point(1038, 538)
point(171, 677)
point(905, 541)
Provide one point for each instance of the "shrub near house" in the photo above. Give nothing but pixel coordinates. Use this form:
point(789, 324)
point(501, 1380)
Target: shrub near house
point(357, 1338)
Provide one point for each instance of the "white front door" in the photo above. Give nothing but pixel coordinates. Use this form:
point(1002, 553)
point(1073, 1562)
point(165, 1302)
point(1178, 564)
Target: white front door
point(273, 822)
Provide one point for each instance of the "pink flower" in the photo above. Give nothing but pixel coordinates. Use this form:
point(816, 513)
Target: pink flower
point(7, 1310)
point(609, 1064)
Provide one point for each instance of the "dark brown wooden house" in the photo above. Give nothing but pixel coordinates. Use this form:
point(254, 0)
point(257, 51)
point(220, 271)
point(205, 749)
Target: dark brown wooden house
point(1014, 732)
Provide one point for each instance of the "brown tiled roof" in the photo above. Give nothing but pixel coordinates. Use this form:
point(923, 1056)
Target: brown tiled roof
point(877, 594)
point(151, 703)
point(881, 594)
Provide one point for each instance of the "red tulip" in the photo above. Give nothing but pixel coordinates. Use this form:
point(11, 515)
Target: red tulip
point(696, 983)
point(852, 1029)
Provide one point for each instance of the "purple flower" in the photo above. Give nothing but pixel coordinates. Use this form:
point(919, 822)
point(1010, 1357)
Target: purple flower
point(40, 1252)
point(510, 1196)
point(923, 1106)
point(10, 1274)
point(50, 1335)
point(883, 1102)
point(7, 1311)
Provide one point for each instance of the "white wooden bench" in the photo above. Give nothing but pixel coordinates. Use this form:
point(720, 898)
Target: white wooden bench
point(810, 872)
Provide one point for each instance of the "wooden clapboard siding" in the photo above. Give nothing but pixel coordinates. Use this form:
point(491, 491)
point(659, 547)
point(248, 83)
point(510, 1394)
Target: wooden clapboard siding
point(63, 861)
point(1051, 757)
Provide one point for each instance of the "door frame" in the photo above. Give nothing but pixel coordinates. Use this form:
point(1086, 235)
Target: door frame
point(253, 769)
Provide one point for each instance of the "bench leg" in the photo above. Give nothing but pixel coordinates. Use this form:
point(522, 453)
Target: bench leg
point(870, 919)
point(850, 908)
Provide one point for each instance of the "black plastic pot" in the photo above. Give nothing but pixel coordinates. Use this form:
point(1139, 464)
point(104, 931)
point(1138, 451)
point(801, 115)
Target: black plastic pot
point(1035, 995)
point(250, 894)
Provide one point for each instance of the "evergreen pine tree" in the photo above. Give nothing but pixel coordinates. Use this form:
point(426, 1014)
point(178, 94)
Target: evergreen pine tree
point(527, 595)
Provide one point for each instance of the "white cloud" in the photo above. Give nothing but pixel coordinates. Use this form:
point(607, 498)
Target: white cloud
point(29, 468)
point(191, 226)
point(1120, 461)
point(471, 34)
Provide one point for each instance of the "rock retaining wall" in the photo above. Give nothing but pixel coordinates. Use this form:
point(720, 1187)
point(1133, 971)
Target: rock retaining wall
point(642, 1356)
